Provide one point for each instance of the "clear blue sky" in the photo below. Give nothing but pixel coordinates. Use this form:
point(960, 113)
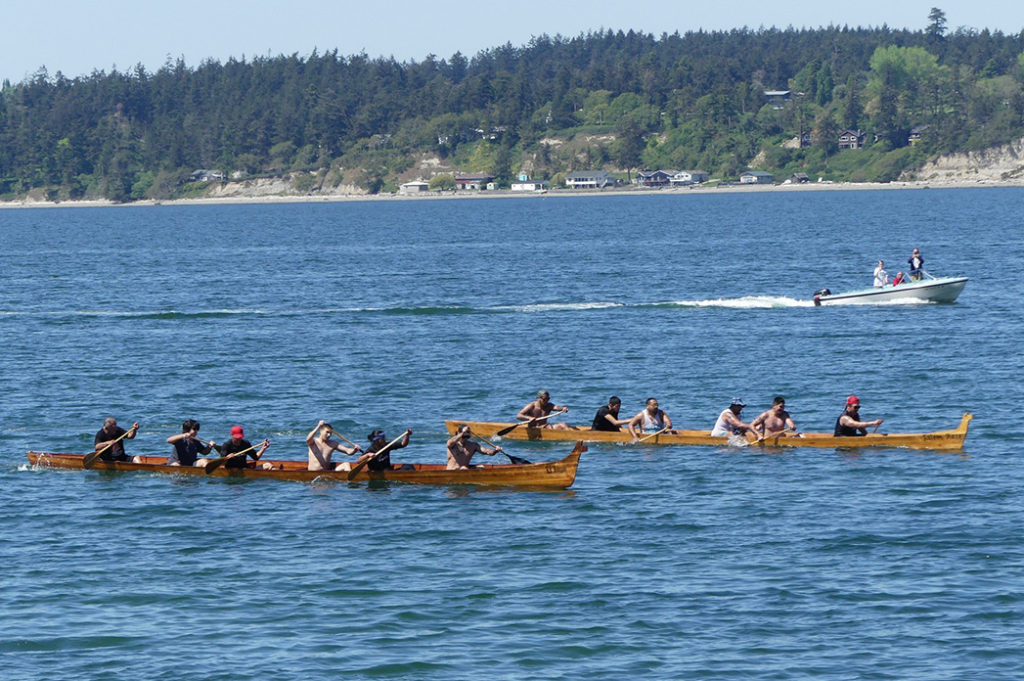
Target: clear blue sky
point(77, 37)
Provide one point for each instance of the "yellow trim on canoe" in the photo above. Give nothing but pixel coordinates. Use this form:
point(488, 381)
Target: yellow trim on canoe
point(942, 439)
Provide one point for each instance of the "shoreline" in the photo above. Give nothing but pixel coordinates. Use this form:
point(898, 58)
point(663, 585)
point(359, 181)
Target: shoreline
point(270, 199)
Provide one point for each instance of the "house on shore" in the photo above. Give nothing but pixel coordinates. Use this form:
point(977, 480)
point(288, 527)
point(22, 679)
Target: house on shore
point(478, 181)
point(204, 175)
point(756, 177)
point(524, 184)
point(589, 179)
point(414, 187)
point(655, 178)
point(687, 177)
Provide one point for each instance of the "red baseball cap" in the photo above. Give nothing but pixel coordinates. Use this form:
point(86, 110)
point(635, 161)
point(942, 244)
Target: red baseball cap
point(236, 431)
point(852, 399)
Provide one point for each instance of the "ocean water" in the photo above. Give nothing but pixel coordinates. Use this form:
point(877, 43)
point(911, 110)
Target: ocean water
point(659, 563)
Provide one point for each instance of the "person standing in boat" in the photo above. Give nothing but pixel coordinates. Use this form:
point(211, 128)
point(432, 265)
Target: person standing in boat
point(542, 406)
point(916, 263)
point(776, 420)
point(238, 444)
point(607, 417)
point(650, 420)
point(378, 441)
point(849, 424)
point(320, 449)
point(729, 422)
point(461, 449)
point(881, 276)
point(188, 447)
point(111, 437)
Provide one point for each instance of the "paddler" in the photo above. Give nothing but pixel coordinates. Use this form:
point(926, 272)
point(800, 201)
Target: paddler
point(607, 417)
point(542, 406)
point(461, 449)
point(651, 420)
point(849, 424)
point(320, 447)
point(111, 437)
point(378, 441)
point(238, 444)
point(776, 420)
point(188, 447)
point(729, 422)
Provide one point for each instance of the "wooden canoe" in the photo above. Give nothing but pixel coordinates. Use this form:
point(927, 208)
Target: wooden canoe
point(942, 439)
point(555, 474)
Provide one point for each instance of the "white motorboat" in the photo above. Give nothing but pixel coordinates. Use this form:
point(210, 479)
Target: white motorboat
point(929, 289)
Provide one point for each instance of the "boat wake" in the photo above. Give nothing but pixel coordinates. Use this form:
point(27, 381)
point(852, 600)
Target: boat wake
point(744, 303)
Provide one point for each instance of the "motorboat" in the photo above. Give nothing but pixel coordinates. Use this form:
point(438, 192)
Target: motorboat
point(927, 289)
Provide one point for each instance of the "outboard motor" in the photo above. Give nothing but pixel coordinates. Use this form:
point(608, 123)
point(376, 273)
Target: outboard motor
point(818, 294)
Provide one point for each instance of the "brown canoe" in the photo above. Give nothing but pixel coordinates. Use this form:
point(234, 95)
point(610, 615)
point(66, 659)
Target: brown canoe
point(555, 474)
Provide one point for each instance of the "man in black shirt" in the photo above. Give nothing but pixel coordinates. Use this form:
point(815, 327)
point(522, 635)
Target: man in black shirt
point(111, 437)
point(238, 444)
point(188, 447)
point(607, 418)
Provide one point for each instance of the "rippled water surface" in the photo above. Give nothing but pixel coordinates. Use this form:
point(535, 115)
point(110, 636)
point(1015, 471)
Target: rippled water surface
point(660, 563)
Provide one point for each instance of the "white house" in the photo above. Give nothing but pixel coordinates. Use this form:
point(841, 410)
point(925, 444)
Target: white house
point(756, 177)
point(415, 187)
point(589, 179)
point(684, 177)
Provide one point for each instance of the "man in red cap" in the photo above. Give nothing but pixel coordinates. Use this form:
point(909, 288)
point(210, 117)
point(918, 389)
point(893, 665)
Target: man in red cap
point(238, 444)
point(849, 424)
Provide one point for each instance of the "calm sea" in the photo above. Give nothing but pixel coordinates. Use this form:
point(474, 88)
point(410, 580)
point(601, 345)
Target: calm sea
point(660, 563)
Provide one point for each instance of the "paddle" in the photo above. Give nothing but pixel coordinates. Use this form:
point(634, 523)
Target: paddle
point(91, 457)
point(217, 463)
point(505, 431)
point(648, 437)
point(775, 435)
point(344, 438)
point(519, 461)
point(383, 450)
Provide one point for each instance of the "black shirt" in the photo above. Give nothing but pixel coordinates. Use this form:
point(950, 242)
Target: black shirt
point(186, 452)
point(116, 451)
point(233, 447)
point(382, 462)
point(601, 423)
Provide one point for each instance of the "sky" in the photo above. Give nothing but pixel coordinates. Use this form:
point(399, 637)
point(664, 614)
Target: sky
point(77, 38)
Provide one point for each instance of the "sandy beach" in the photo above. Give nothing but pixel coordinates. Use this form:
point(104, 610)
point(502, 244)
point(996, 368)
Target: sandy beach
point(240, 197)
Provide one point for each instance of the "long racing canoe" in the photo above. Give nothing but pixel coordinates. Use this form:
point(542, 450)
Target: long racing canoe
point(554, 474)
point(942, 439)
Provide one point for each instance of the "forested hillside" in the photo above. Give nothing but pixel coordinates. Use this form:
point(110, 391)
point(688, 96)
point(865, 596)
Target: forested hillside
point(612, 100)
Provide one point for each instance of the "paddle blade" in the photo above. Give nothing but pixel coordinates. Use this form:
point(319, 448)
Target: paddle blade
point(90, 459)
point(509, 429)
point(517, 460)
point(214, 464)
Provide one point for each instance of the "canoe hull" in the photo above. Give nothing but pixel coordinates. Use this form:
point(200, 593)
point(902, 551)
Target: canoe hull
point(555, 474)
point(943, 290)
point(939, 440)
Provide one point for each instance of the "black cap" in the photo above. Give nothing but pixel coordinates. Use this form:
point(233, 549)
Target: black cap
point(375, 434)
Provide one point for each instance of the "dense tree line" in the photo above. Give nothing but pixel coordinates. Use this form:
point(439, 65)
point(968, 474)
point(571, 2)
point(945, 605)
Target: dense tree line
point(618, 100)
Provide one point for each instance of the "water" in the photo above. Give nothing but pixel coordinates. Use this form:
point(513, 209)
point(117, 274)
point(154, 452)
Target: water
point(659, 563)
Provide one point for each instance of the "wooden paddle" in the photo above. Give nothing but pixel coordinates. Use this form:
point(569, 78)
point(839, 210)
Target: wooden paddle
point(648, 437)
point(505, 431)
point(334, 432)
point(213, 465)
point(91, 457)
point(775, 435)
point(383, 450)
point(519, 461)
